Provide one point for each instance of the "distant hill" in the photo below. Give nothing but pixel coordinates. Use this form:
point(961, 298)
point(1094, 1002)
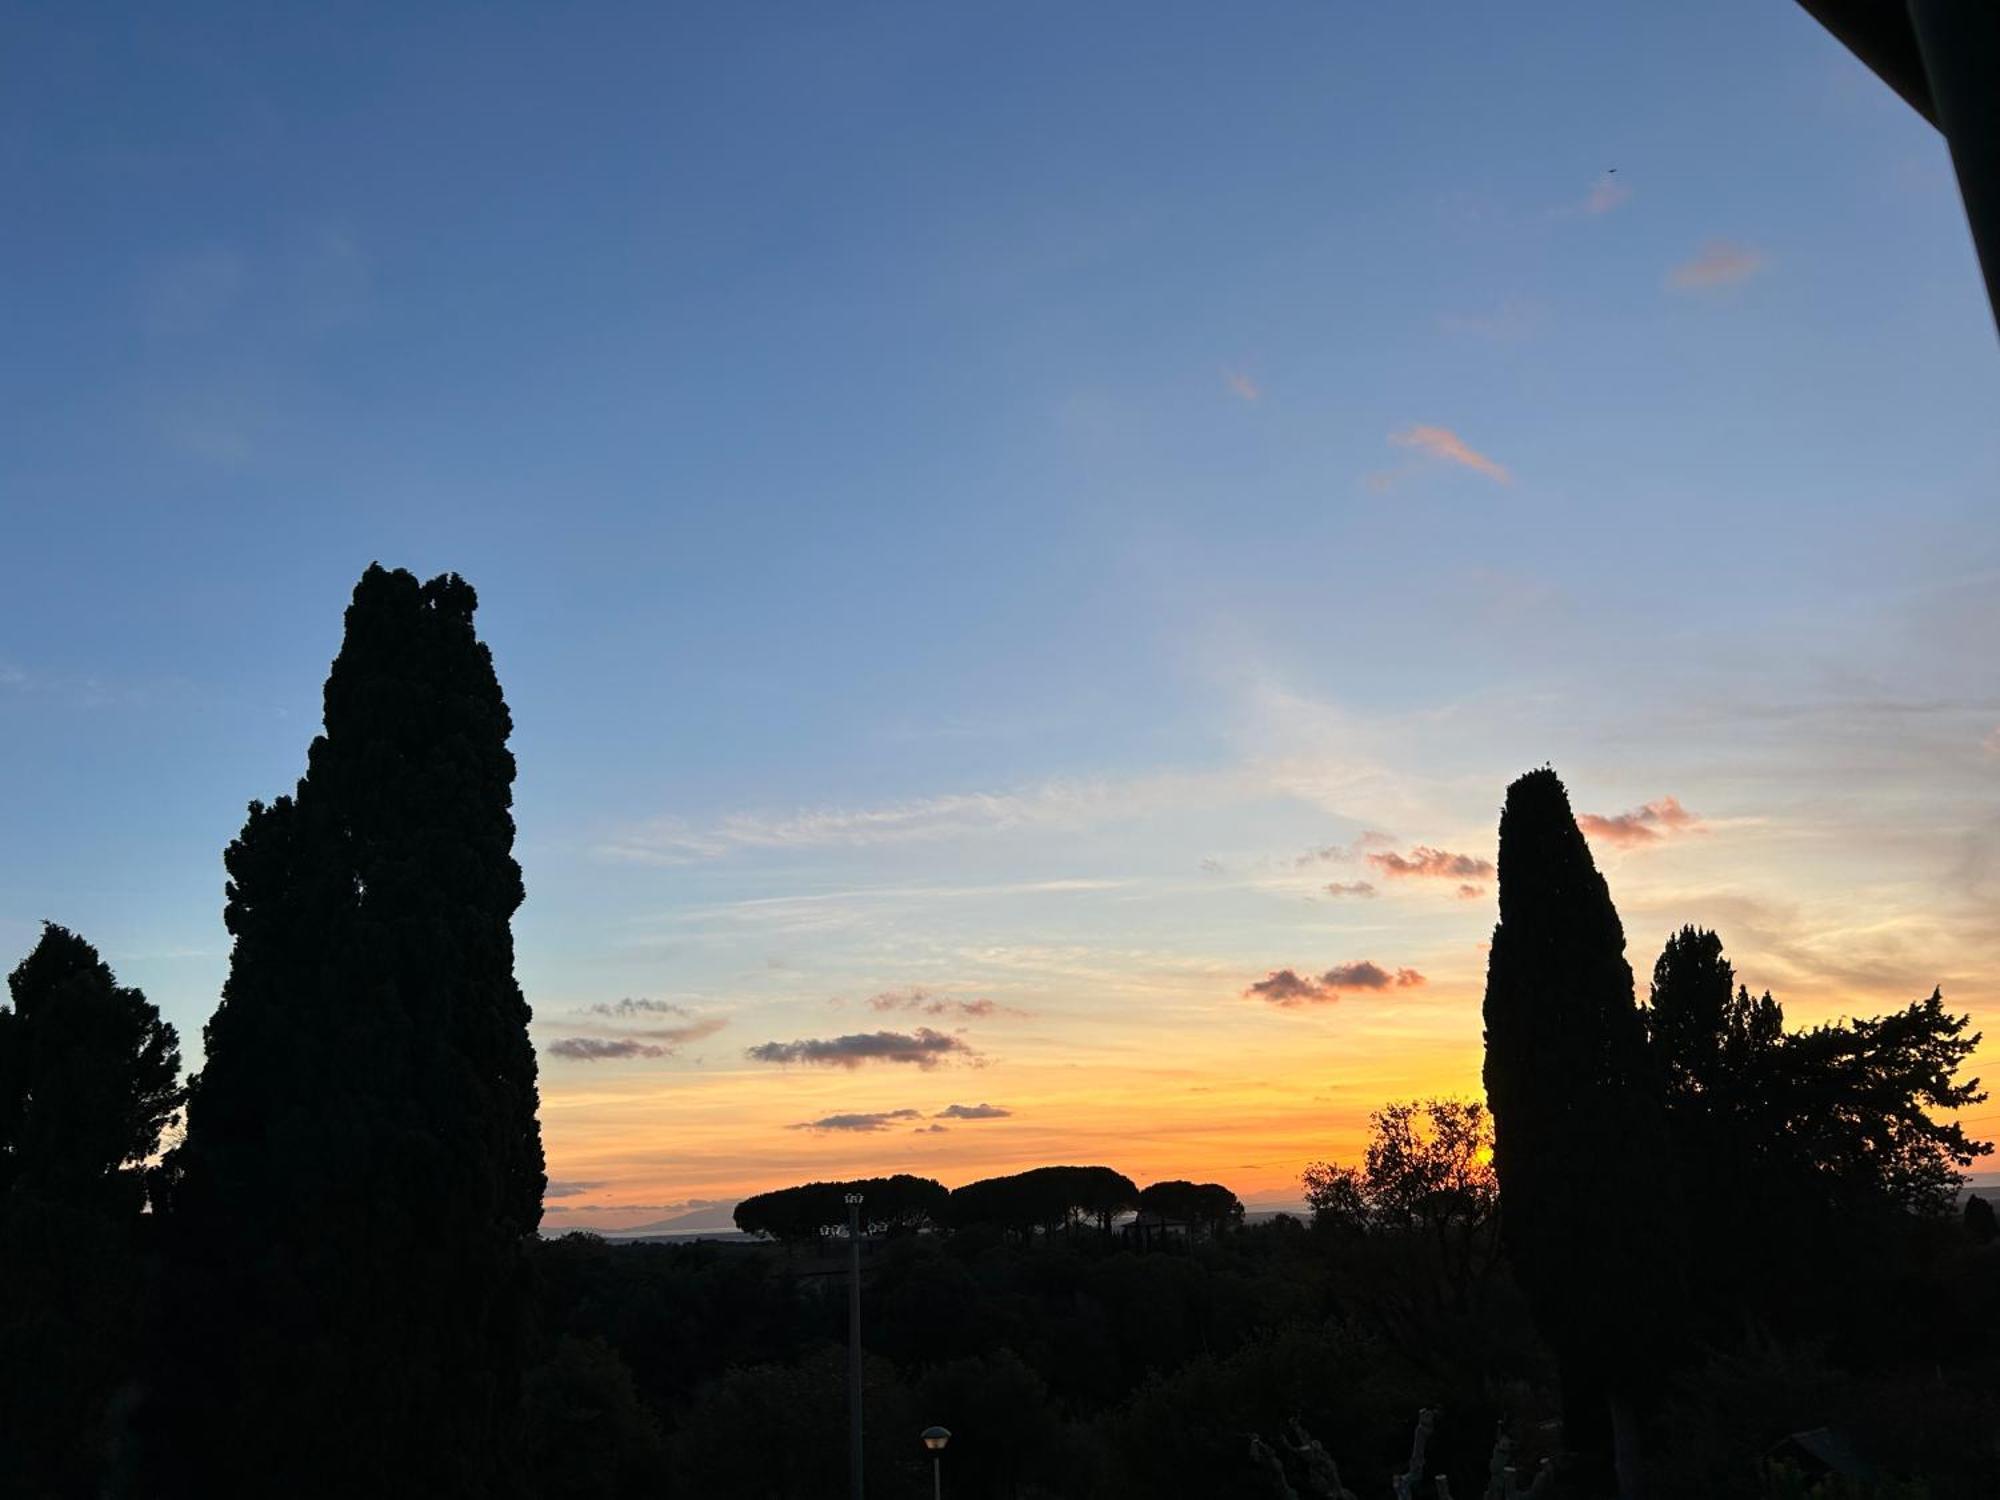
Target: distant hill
point(716, 1217)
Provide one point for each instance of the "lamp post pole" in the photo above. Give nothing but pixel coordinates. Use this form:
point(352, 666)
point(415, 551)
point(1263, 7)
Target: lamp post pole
point(934, 1439)
point(854, 1345)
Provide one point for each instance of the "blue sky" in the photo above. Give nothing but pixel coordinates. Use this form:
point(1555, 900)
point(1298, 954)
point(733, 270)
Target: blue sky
point(964, 499)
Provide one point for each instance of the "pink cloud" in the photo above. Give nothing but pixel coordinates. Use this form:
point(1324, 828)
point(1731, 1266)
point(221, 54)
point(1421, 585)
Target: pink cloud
point(1442, 442)
point(1721, 263)
point(1606, 194)
point(1240, 382)
point(1424, 862)
point(1350, 888)
point(1642, 825)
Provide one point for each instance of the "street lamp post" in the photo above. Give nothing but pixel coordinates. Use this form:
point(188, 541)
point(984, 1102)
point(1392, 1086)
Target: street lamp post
point(934, 1439)
point(853, 1201)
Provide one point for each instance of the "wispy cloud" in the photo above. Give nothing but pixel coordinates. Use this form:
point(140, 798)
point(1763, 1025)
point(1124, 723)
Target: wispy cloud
point(628, 1040)
point(630, 1007)
point(925, 1048)
point(1360, 888)
point(1606, 194)
point(940, 1005)
point(1443, 443)
point(858, 1123)
point(1641, 825)
point(973, 1112)
point(1067, 806)
point(603, 1049)
point(1720, 263)
point(1240, 382)
point(1287, 987)
point(557, 1189)
point(1426, 863)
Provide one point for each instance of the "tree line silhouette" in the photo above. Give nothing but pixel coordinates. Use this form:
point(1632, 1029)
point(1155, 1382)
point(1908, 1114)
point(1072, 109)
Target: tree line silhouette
point(1043, 1200)
point(1674, 1232)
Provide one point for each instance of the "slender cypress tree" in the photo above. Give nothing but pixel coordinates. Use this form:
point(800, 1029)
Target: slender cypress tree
point(1587, 1198)
point(363, 1160)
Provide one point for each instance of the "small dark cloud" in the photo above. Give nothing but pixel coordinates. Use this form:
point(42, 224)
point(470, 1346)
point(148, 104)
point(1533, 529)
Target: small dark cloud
point(1471, 892)
point(1216, 867)
point(628, 1007)
point(1424, 862)
point(1284, 987)
point(1364, 975)
point(569, 1189)
point(924, 1047)
point(930, 1130)
point(600, 1049)
point(1358, 888)
point(972, 1112)
point(1325, 854)
point(928, 1004)
point(1287, 987)
point(876, 1120)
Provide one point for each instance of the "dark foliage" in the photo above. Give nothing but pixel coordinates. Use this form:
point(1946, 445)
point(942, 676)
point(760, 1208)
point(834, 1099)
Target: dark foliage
point(799, 1215)
point(89, 1079)
point(1577, 1112)
point(1205, 1206)
point(1801, 1154)
point(1980, 1220)
point(362, 1160)
point(1047, 1199)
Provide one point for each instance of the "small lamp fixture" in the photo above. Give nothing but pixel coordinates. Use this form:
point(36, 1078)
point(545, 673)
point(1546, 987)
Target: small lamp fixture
point(934, 1439)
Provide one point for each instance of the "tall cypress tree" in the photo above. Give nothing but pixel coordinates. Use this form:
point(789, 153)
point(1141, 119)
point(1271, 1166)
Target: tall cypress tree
point(1587, 1197)
point(363, 1160)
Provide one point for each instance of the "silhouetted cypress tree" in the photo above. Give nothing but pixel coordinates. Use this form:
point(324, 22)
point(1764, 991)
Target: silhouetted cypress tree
point(1586, 1182)
point(89, 1078)
point(362, 1159)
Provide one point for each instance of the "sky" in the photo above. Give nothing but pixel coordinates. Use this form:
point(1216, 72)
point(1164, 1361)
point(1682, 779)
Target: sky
point(1024, 543)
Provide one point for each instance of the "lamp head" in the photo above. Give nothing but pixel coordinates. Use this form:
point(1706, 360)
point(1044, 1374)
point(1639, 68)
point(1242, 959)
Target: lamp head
point(935, 1438)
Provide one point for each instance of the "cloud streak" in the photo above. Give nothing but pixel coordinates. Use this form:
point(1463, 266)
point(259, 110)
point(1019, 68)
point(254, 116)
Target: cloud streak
point(940, 1005)
point(1426, 863)
point(861, 1124)
point(1062, 806)
point(1720, 263)
point(1289, 988)
point(973, 1112)
point(1641, 825)
point(1242, 385)
point(626, 1008)
point(1443, 443)
point(603, 1049)
point(1606, 194)
point(923, 1048)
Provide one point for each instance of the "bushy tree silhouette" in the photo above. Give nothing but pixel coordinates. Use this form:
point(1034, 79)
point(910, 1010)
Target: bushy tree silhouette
point(89, 1076)
point(1588, 1205)
point(362, 1159)
point(89, 1079)
point(1792, 1144)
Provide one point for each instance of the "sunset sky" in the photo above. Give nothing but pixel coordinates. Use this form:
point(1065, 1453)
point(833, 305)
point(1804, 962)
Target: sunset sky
point(1024, 543)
